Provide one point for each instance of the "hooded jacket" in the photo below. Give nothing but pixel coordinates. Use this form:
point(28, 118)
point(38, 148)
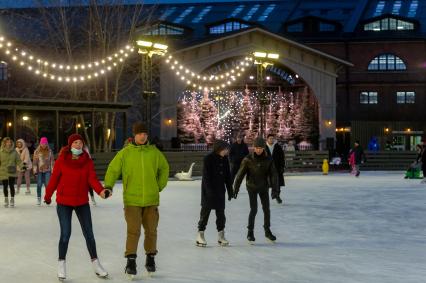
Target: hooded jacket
point(24, 154)
point(145, 172)
point(9, 161)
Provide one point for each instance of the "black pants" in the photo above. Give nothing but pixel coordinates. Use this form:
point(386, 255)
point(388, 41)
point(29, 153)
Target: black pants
point(85, 218)
point(264, 199)
point(234, 169)
point(91, 192)
point(204, 218)
point(11, 183)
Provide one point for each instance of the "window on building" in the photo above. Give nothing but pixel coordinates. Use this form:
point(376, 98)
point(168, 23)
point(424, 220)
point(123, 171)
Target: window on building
point(167, 13)
point(298, 27)
point(266, 13)
point(379, 8)
point(388, 24)
point(251, 12)
point(405, 97)
point(386, 62)
point(326, 27)
point(368, 97)
point(164, 29)
point(237, 11)
point(3, 71)
point(201, 15)
point(396, 7)
point(412, 10)
point(182, 16)
point(227, 27)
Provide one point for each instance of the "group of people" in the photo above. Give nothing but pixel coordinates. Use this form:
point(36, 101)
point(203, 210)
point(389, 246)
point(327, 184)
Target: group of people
point(16, 163)
point(263, 169)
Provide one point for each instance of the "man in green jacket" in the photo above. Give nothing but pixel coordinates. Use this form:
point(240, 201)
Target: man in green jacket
point(144, 171)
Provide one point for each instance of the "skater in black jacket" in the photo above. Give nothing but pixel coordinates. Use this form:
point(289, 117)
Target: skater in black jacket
point(261, 174)
point(274, 150)
point(239, 150)
point(216, 181)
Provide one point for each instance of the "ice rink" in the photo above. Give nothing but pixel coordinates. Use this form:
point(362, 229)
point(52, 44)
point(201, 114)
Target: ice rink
point(332, 228)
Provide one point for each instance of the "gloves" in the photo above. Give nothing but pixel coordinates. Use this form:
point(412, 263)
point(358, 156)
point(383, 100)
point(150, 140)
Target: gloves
point(235, 193)
point(108, 192)
point(230, 195)
point(47, 201)
point(24, 167)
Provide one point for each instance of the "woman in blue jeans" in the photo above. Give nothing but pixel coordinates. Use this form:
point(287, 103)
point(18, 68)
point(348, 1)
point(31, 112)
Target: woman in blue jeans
point(43, 161)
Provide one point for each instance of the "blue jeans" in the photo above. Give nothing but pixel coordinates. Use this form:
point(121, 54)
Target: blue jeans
point(42, 178)
point(85, 218)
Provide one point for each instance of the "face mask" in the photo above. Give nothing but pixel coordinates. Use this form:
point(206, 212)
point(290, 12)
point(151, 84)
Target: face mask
point(76, 151)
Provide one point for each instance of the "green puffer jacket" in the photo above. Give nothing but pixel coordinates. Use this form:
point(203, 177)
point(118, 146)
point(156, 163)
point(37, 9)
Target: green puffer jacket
point(145, 172)
point(9, 158)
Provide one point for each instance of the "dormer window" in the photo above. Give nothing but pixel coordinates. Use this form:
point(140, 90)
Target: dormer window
point(389, 24)
point(163, 28)
point(227, 27)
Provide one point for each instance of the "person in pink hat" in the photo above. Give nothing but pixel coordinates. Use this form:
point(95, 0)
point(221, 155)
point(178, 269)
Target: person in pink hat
point(43, 161)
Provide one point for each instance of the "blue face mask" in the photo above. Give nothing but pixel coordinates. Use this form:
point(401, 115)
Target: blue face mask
point(76, 151)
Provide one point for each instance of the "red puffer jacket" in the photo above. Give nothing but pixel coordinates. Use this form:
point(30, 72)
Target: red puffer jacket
point(72, 178)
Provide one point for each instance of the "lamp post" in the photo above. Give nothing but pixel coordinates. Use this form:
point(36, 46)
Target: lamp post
point(148, 49)
point(262, 62)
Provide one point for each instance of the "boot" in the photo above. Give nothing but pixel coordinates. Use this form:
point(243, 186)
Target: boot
point(221, 238)
point(269, 235)
point(93, 200)
point(12, 202)
point(38, 201)
point(62, 272)
point(6, 202)
point(150, 263)
point(98, 268)
point(201, 241)
point(250, 236)
point(131, 265)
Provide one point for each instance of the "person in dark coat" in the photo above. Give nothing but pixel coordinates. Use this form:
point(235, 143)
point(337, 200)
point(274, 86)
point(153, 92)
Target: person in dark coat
point(239, 150)
point(359, 157)
point(274, 150)
point(423, 159)
point(216, 181)
point(261, 174)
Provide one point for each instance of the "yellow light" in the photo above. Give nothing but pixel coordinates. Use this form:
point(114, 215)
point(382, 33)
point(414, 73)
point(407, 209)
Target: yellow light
point(144, 43)
point(30, 68)
point(160, 46)
point(259, 54)
point(83, 67)
point(273, 56)
point(67, 79)
point(169, 121)
point(25, 118)
point(31, 57)
point(78, 125)
point(9, 124)
point(14, 58)
point(329, 123)
point(408, 130)
point(60, 79)
point(386, 130)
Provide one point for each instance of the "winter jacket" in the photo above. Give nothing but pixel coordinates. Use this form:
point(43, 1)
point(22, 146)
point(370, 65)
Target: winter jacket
point(260, 171)
point(9, 161)
point(279, 161)
point(72, 178)
point(145, 173)
point(25, 155)
point(43, 160)
point(216, 181)
point(237, 153)
point(359, 155)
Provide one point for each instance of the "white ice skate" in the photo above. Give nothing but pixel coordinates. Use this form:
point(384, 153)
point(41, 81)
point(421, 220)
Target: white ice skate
point(62, 272)
point(99, 270)
point(201, 241)
point(38, 201)
point(12, 202)
point(6, 202)
point(221, 239)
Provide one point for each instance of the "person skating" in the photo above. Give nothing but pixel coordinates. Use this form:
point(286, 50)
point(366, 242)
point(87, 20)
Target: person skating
point(9, 162)
point(260, 174)
point(25, 169)
point(216, 181)
point(238, 151)
point(145, 172)
point(274, 150)
point(43, 161)
point(359, 157)
point(72, 176)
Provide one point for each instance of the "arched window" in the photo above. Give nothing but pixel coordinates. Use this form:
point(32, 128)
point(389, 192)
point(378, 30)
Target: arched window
point(388, 24)
point(3, 71)
point(387, 62)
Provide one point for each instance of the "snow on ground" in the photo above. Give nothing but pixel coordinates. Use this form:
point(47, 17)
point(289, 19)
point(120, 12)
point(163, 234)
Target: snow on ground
point(332, 228)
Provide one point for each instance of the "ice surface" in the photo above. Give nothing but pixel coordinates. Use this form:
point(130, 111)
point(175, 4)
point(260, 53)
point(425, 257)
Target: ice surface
point(332, 228)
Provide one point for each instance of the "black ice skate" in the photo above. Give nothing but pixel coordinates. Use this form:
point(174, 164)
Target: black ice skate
point(150, 263)
point(250, 237)
point(269, 235)
point(131, 267)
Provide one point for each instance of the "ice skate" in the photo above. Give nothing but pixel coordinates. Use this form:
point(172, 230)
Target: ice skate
point(150, 264)
point(12, 202)
point(38, 201)
point(6, 202)
point(201, 241)
point(221, 239)
point(93, 200)
point(130, 269)
point(62, 272)
point(250, 237)
point(99, 270)
point(28, 192)
point(269, 235)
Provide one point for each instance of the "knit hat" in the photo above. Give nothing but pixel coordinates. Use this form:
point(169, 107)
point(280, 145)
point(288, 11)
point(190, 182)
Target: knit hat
point(138, 128)
point(43, 140)
point(220, 145)
point(259, 142)
point(73, 138)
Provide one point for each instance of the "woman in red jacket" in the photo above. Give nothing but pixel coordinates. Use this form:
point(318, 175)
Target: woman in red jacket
point(73, 175)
